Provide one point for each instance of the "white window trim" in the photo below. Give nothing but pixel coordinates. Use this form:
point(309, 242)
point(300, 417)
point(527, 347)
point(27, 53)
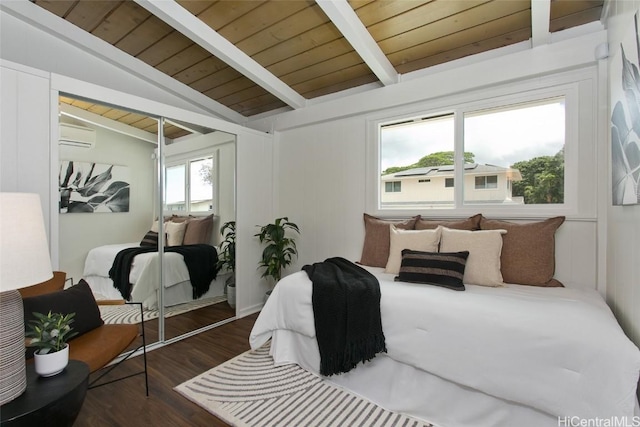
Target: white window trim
point(184, 159)
point(580, 132)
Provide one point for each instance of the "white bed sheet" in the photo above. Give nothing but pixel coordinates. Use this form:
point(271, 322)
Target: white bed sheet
point(556, 351)
point(144, 275)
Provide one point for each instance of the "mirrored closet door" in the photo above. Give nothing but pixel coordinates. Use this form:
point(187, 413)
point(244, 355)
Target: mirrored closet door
point(116, 183)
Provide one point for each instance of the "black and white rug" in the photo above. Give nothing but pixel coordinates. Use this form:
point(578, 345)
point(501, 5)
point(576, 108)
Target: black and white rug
point(250, 391)
point(127, 313)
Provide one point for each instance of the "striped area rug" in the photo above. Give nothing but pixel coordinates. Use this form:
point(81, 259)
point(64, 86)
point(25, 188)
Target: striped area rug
point(118, 314)
point(250, 391)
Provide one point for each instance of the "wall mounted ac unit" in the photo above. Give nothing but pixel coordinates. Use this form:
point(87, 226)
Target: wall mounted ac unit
point(77, 136)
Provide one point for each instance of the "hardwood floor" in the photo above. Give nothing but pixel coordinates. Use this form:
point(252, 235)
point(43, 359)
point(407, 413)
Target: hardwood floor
point(124, 403)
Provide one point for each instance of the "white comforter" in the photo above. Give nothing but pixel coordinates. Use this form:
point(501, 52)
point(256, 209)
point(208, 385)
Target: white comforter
point(557, 350)
point(145, 273)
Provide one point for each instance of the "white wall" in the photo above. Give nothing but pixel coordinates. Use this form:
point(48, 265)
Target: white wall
point(623, 242)
point(80, 232)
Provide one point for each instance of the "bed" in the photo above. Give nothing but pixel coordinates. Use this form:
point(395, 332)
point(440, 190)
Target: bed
point(144, 276)
point(145, 272)
point(493, 355)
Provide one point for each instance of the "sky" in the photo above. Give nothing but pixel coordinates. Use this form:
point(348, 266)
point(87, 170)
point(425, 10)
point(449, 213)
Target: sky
point(498, 138)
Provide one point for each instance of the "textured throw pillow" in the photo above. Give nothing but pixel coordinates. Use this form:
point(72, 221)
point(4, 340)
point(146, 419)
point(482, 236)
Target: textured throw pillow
point(77, 299)
point(483, 264)
point(528, 251)
point(471, 223)
point(150, 239)
point(198, 231)
point(375, 251)
point(175, 232)
point(417, 240)
point(434, 268)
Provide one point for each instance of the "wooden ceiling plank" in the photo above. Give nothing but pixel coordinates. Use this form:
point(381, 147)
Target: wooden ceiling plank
point(540, 17)
point(114, 114)
point(252, 92)
point(183, 60)
point(371, 78)
point(346, 20)
point(482, 16)
point(373, 12)
point(226, 11)
point(258, 103)
point(57, 7)
point(301, 45)
point(266, 15)
point(475, 35)
point(264, 108)
point(229, 88)
point(429, 13)
point(333, 78)
point(561, 8)
point(89, 14)
point(349, 59)
point(131, 118)
point(143, 36)
point(283, 31)
point(199, 32)
point(325, 52)
point(196, 7)
point(98, 109)
point(121, 22)
point(163, 49)
point(467, 50)
point(217, 79)
point(573, 20)
point(206, 67)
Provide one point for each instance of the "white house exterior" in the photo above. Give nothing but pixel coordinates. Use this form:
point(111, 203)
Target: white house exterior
point(435, 185)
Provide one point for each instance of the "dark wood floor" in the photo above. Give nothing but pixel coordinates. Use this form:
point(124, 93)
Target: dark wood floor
point(124, 403)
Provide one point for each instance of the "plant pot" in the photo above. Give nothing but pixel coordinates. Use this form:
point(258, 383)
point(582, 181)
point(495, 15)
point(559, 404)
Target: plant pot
point(231, 296)
point(50, 364)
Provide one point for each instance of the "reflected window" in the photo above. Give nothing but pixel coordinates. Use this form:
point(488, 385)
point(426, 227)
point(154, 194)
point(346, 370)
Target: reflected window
point(192, 177)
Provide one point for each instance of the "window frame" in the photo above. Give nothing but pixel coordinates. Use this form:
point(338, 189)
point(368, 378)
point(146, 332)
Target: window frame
point(186, 160)
point(458, 105)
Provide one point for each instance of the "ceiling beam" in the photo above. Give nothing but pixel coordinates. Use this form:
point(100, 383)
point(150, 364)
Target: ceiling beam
point(206, 37)
point(57, 27)
point(348, 23)
point(540, 19)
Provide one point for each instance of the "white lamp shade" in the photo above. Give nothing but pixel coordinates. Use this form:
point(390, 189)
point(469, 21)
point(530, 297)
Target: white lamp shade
point(24, 250)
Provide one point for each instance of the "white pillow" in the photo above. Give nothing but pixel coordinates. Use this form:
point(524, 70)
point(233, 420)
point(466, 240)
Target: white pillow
point(484, 246)
point(417, 240)
point(175, 232)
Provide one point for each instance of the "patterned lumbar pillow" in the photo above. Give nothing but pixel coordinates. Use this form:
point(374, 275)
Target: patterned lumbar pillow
point(150, 239)
point(434, 268)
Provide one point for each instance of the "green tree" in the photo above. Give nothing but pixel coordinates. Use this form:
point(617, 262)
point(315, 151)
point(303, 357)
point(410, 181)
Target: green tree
point(542, 179)
point(440, 158)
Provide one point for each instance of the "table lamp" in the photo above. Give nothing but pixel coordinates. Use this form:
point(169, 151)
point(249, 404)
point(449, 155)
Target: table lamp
point(24, 261)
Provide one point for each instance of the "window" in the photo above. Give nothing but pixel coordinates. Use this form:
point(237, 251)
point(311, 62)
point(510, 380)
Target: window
point(514, 149)
point(393, 186)
point(490, 181)
point(192, 177)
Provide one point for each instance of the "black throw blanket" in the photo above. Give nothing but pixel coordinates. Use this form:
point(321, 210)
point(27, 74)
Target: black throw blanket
point(346, 308)
point(201, 261)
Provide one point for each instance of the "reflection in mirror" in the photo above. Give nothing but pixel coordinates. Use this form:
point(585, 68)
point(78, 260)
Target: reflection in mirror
point(111, 201)
point(199, 200)
point(107, 183)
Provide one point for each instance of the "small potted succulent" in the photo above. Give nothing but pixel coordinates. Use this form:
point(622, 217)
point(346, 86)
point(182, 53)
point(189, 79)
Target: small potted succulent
point(50, 333)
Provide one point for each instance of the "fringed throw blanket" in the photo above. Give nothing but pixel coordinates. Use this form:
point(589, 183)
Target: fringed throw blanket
point(201, 261)
point(346, 308)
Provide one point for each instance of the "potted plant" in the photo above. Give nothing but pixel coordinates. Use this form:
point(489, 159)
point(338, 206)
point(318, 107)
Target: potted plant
point(227, 259)
point(50, 333)
point(280, 249)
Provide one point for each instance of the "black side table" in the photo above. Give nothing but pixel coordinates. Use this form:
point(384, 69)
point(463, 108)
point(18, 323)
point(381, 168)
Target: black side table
point(53, 401)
